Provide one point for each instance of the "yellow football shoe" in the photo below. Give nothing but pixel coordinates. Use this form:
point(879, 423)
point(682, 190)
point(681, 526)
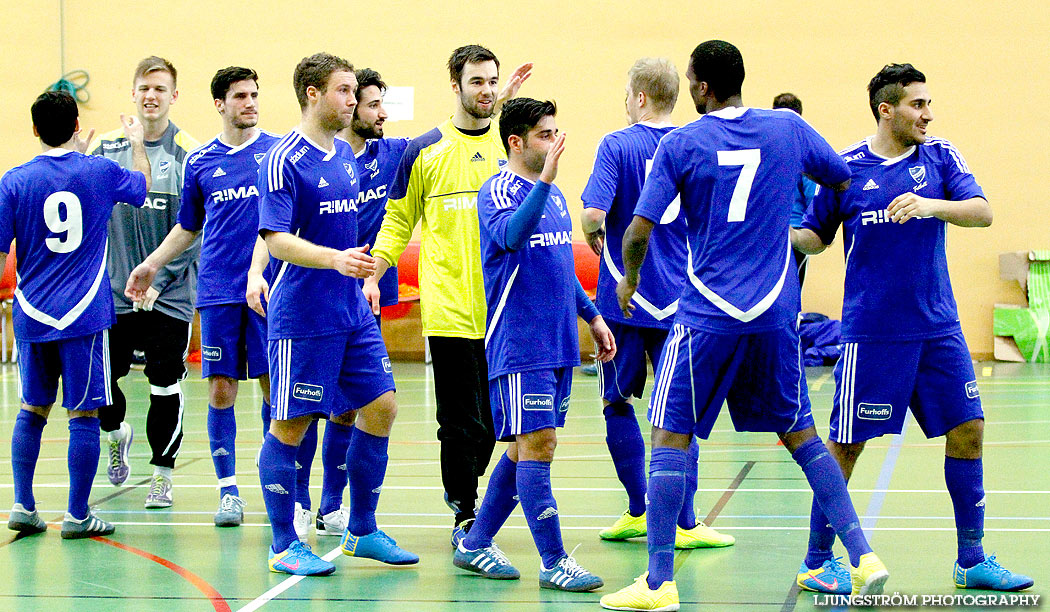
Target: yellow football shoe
point(638, 596)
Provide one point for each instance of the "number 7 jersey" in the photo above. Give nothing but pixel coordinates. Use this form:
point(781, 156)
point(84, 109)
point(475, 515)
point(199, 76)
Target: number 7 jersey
point(57, 206)
point(736, 171)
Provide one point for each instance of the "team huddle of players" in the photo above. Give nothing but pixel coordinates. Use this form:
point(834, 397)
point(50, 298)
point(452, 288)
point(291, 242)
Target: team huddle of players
point(296, 238)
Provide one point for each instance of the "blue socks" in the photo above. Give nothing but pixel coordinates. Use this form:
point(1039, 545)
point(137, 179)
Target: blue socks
point(627, 448)
point(497, 506)
point(277, 476)
point(82, 459)
point(829, 489)
point(222, 435)
point(687, 515)
point(533, 480)
point(333, 458)
point(821, 537)
point(366, 459)
point(304, 460)
point(965, 481)
point(667, 476)
point(25, 450)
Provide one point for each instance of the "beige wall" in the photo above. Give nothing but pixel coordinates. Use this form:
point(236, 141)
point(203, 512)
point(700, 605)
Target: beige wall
point(987, 66)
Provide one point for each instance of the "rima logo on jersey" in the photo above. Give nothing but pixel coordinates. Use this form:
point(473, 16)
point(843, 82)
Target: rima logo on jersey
point(548, 239)
point(309, 393)
point(463, 202)
point(541, 402)
point(337, 206)
point(918, 174)
point(874, 412)
point(874, 216)
point(234, 193)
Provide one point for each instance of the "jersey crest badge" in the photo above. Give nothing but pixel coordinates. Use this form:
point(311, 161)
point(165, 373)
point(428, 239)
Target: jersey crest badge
point(259, 157)
point(918, 173)
point(373, 167)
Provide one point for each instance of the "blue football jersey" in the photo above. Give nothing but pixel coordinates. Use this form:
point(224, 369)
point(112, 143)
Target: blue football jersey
point(377, 164)
point(220, 196)
point(620, 167)
point(57, 207)
point(531, 292)
point(312, 193)
point(736, 171)
point(897, 285)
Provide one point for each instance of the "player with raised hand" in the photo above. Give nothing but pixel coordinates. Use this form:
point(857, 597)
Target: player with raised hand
point(158, 325)
point(620, 167)
point(436, 186)
point(57, 207)
point(903, 345)
point(735, 338)
point(219, 191)
point(532, 293)
point(326, 356)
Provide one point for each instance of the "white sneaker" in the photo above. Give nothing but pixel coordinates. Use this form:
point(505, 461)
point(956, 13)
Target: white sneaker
point(333, 523)
point(301, 522)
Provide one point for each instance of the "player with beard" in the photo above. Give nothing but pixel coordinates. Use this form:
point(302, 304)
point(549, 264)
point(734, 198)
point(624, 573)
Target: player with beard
point(436, 185)
point(219, 190)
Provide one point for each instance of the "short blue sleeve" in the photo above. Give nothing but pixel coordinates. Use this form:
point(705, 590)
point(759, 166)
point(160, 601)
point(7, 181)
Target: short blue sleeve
point(823, 215)
point(601, 186)
point(959, 182)
point(7, 214)
point(661, 186)
point(819, 160)
point(495, 208)
point(277, 202)
point(128, 185)
point(191, 212)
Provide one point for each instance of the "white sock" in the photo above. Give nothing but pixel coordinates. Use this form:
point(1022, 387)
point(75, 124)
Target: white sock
point(162, 471)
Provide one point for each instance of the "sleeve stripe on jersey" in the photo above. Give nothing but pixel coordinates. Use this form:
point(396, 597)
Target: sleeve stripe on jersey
point(501, 305)
point(499, 198)
point(276, 167)
point(853, 147)
point(956, 155)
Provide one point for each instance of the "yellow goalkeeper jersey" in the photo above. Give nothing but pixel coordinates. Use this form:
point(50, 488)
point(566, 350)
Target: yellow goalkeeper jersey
point(437, 184)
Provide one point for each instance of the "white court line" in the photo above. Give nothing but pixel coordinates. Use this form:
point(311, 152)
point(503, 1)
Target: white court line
point(443, 527)
point(284, 585)
point(63, 485)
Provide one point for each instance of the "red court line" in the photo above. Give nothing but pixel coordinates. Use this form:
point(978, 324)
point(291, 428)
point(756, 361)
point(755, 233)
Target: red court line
point(217, 600)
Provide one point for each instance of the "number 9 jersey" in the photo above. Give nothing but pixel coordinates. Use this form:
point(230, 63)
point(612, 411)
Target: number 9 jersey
point(57, 206)
point(737, 171)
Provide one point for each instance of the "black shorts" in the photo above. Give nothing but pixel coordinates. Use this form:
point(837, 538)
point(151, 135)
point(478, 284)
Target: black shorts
point(164, 339)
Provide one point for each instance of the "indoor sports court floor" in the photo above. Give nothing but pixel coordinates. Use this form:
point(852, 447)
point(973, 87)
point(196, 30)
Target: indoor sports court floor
point(176, 560)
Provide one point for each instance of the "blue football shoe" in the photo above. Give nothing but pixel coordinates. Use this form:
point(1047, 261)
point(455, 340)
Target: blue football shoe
point(376, 545)
point(991, 576)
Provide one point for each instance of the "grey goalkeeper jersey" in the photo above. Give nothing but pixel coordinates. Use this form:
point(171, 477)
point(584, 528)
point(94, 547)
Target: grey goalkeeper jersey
point(134, 233)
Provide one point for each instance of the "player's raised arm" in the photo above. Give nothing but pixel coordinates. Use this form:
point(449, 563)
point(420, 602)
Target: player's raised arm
point(140, 279)
point(135, 134)
point(519, 76)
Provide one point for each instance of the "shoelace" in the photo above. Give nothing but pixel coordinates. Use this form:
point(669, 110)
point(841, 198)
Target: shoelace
point(993, 565)
point(230, 503)
point(114, 453)
point(569, 565)
point(497, 555)
point(157, 486)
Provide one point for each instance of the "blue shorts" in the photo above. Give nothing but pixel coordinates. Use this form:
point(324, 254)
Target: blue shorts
point(525, 402)
point(328, 375)
point(759, 376)
point(82, 363)
point(624, 377)
point(876, 383)
point(233, 342)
